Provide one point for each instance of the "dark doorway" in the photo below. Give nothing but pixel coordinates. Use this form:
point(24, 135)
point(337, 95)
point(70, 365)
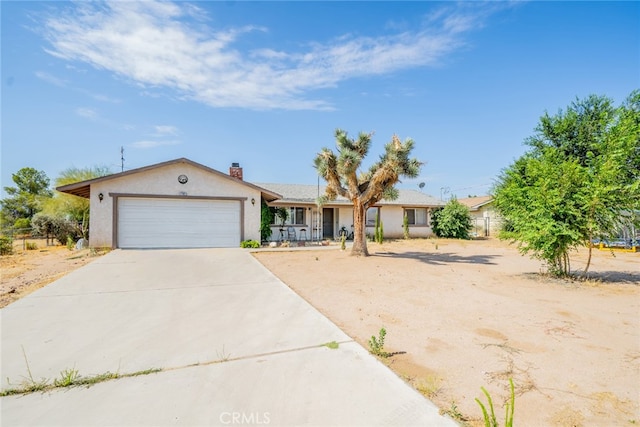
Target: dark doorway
point(327, 223)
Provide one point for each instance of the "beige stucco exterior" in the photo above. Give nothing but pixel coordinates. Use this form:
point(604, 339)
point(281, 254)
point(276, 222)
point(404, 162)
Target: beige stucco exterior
point(163, 181)
point(391, 216)
point(484, 218)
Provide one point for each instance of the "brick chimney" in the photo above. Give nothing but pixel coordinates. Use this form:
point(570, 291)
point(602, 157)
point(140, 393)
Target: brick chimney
point(235, 171)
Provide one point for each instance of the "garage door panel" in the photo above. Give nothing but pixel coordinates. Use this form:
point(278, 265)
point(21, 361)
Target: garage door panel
point(178, 223)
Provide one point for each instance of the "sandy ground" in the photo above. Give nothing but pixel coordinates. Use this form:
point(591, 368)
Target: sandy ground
point(28, 270)
point(467, 314)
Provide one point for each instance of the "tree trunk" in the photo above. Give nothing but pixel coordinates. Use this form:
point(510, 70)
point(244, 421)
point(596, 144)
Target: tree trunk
point(590, 246)
point(359, 231)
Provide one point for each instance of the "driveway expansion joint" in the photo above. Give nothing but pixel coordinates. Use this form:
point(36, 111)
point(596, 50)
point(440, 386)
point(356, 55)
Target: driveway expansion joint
point(252, 356)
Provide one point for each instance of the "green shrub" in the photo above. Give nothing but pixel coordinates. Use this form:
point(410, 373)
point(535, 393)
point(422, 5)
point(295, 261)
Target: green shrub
point(250, 244)
point(22, 224)
point(44, 225)
point(378, 230)
point(405, 226)
point(452, 221)
point(6, 245)
point(266, 219)
point(376, 345)
point(31, 246)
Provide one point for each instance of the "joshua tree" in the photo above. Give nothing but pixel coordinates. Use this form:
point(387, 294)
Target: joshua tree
point(340, 170)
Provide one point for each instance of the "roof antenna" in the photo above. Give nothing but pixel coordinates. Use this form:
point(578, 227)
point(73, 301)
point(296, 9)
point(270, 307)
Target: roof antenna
point(122, 158)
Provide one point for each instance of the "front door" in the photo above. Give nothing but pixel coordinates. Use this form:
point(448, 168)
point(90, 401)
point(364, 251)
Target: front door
point(327, 223)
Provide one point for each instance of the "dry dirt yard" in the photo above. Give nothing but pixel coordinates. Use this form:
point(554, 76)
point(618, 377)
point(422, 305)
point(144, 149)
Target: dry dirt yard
point(28, 270)
point(466, 314)
point(461, 315)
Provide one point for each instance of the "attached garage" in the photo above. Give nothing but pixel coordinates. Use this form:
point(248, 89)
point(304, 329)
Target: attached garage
point(177, 223)
point(174, 204)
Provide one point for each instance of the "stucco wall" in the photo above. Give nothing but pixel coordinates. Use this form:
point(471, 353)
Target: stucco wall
point(164, 181)
point(392, 221)
point(479, 221)
point(391, 217)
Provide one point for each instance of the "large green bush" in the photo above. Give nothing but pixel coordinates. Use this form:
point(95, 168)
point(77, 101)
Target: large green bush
point(62, 229)
point(453, 221)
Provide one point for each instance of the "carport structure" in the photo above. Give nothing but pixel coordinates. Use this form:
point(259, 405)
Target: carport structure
point(175, 204)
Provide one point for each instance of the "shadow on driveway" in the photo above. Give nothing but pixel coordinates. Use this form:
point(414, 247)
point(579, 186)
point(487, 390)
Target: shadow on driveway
point(441, 258)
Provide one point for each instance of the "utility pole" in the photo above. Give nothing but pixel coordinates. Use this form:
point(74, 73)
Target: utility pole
point(121, 158)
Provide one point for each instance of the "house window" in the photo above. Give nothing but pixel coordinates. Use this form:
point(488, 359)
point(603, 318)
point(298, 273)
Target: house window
point(295, 216)
point(371, 216)
point(417, 216)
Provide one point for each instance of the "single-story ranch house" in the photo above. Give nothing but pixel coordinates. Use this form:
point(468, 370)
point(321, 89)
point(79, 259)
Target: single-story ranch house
point(183, 204)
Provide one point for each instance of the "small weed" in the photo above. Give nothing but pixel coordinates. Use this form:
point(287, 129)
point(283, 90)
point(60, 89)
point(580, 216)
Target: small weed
point(222, 355)
point(376, 345)
point(144, 372)
point(332, 345)
point(67, 378)
point(429, 386)
point(31, 246)
point(95, 379)
point(490, 417)
point(454, 413)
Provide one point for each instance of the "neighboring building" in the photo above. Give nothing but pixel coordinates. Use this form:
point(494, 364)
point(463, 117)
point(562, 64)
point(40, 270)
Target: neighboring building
point(485, 219)
point(183, 204)
point(316, 223)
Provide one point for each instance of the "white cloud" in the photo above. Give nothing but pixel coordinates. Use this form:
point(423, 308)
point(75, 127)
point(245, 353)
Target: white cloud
point(87, 113)
point(152, 44)
point(164, 130)
point(145, 144)
point(50, 79)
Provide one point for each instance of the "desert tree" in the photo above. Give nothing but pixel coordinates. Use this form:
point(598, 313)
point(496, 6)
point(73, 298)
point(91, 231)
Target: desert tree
point(25, 199)
point(342, 173)
point(579, 181)
point(70, 207)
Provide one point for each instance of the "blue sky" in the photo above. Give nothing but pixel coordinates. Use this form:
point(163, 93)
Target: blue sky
point(266, 84)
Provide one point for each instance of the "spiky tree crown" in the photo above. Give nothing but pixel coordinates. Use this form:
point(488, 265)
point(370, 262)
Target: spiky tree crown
point(341, 170)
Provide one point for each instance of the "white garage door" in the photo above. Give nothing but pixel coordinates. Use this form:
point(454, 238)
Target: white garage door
point(178, 223)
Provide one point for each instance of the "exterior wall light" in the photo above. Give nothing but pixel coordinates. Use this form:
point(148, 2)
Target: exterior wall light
point(253, 201)
point(100, 197)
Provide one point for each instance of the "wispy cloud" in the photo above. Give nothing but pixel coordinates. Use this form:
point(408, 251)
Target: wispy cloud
point(56, 81)
point(99, 97)
point(153, 44)
point(146, 144)
point(51, 79)
point(87, 113)
point(165, 130)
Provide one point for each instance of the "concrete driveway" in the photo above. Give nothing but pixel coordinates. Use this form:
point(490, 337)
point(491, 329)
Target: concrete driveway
point(235, 345)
